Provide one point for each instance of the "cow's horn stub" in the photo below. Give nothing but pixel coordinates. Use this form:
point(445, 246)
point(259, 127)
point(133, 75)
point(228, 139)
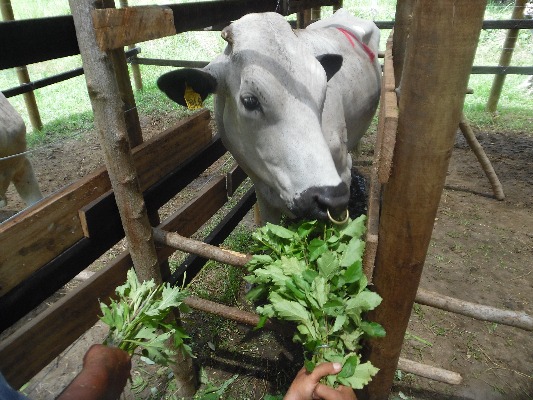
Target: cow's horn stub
point(227, 34)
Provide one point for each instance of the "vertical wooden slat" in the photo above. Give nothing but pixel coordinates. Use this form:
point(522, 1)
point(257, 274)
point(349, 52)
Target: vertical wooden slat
point(430, 107)
point(23, 74)
point(135, 68)
point(505, 57)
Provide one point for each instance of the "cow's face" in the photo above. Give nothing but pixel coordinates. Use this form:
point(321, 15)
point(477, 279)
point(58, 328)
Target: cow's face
point(270, 96)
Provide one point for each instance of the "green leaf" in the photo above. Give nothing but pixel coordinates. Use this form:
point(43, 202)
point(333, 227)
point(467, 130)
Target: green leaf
point(353, 253)
point(281, 231)
point(256, 293)
point(293, 289)
point(364, 301)
point(316, 248)
point(320, 291)
point(354, 272)
point(355, 228)
point(339, 323)
point(372, 329)
point(361, 376)
point(328, 264)
point(290, 310)
point(309, 275)
point(349, 366)
point(309, 365)
point(292, 266)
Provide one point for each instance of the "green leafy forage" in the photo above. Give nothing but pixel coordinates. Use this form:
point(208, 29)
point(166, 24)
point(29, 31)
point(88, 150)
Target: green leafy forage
point(312, 274)
point(140, 319)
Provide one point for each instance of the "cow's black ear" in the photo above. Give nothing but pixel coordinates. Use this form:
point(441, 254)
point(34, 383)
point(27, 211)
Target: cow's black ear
point(331, 64)
point(173, 84)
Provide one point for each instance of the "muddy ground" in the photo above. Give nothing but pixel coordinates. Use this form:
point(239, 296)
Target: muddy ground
point(481, 251)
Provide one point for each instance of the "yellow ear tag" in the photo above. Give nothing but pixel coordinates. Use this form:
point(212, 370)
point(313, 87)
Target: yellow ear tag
point(193, 99)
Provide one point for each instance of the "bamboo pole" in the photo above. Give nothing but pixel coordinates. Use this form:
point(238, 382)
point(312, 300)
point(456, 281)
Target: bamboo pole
point(23, 75)
point(431, 102)
point(505, 57)
point(205, 250)
point(478, 311)
point(107, 104)
point(486, 165)
point(135, 68)
point(430, 372)
point(248, 318)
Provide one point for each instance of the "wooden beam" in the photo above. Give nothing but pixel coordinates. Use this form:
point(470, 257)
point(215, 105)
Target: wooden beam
point(116, 28)
point(42, 232)
point(431, 102)
point(130, 25)
point(42, 339)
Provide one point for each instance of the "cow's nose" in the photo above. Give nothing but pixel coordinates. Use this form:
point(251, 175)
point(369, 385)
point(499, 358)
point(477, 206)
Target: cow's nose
point(315, 202)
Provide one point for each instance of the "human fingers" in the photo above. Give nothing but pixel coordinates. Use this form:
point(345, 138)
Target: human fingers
point(327, 393)
point(324, 369)
point(347, 393)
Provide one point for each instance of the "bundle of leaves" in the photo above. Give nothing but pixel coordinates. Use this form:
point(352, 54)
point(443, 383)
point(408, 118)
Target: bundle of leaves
point(140, 317)
point(311, 274)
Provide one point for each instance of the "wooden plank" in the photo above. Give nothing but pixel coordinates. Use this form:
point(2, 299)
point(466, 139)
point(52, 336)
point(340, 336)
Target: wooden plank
point(28, 41)
point(107, 231)
point(101, 216)
point(234, 178)
point(42, 232)
point(116, 28)
point(131, 25)
point(389, 136)
point(38, 342)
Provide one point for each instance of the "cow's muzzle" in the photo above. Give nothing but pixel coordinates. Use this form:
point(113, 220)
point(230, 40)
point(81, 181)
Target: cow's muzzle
point(323, 202)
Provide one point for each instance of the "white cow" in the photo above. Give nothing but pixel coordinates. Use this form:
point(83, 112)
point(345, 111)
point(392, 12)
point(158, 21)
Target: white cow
point(290, 106)
point(15, 169)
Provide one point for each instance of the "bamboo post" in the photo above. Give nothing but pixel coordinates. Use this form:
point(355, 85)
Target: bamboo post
point(486, 165)
point(112, 130)
point(505, 57)
point(135, 68)
point(430, 107)
point(23, 74)
point(479, 311)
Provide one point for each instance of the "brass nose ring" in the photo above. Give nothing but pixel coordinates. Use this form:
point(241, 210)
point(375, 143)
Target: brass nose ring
point(336, 222)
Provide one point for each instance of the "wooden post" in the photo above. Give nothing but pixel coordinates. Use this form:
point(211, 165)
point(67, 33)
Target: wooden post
point(23, 75)
point(431, 102)
point(402, 25)
point(135, 68)
point(104, 92)
point(505, 57)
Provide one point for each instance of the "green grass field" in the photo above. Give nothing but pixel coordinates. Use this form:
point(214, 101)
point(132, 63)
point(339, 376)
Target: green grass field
point(65, 108)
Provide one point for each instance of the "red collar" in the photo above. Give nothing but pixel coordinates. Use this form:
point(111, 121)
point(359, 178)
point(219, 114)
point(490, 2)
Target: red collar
point(349, 35)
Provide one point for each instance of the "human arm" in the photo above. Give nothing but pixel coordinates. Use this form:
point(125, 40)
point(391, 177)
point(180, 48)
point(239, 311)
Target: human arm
point(103, 376)
point(307, 386)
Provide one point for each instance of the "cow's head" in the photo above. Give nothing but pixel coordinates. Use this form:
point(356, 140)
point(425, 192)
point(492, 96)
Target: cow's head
point(270, 97)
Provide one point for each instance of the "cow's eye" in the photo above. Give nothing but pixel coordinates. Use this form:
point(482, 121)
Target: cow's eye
point(250, 103)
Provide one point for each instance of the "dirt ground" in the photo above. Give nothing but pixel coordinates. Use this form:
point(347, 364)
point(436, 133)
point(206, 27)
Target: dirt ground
point(481, 251)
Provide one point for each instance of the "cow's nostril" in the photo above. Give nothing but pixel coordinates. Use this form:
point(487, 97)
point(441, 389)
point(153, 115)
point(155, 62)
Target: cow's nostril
point(317, 202)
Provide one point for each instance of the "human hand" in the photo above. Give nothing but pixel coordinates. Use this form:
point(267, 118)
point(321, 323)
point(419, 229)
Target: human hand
point(307, 386)
point(103, 376)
